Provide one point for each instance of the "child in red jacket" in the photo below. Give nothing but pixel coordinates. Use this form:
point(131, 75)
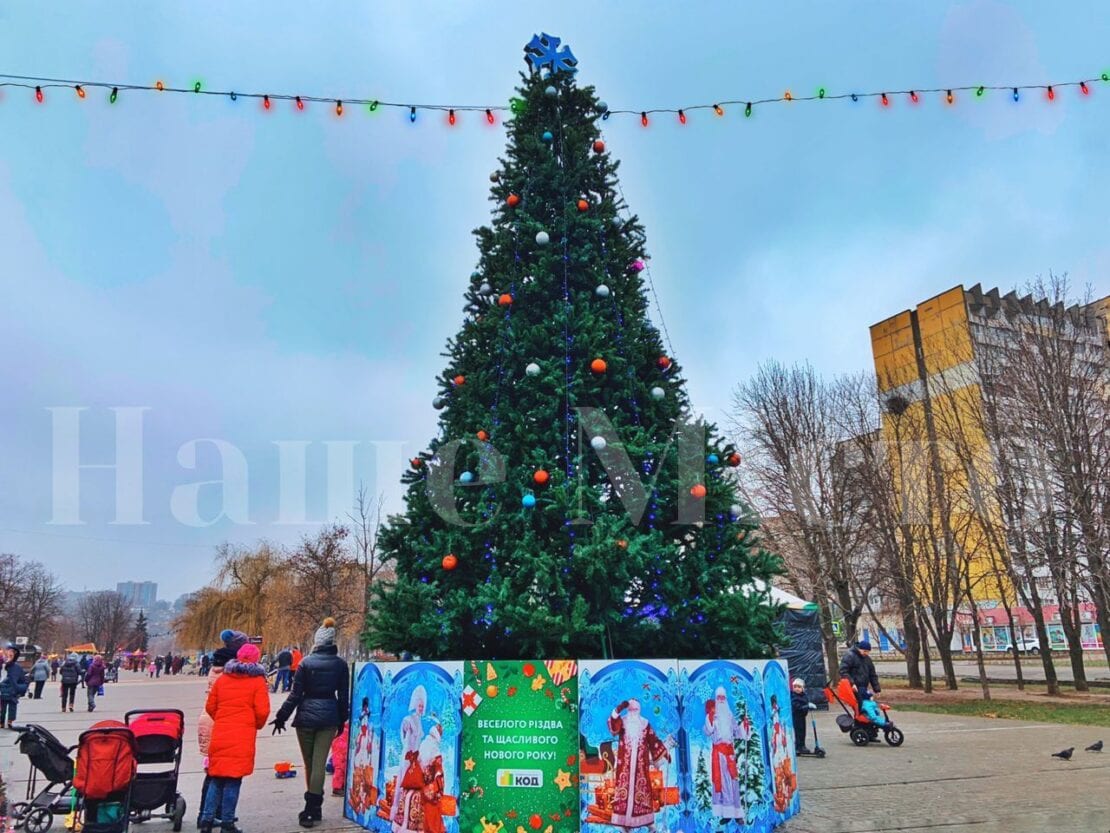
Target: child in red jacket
point(238, 704)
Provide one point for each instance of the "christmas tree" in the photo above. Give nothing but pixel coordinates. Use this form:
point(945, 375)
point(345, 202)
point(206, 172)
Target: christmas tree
point(752, 770)
point(703, 791)
point(570, 505)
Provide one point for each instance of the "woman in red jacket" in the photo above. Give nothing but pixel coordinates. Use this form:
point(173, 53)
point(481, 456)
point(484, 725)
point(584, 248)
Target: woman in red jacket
point(239, 704)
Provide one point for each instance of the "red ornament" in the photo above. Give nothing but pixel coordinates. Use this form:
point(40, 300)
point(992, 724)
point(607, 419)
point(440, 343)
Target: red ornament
point(529, 669)
point(483, 436)
point(512, 201)
point(583, 205)
point(459, 380)
point(598, 366)
point(505, 300)
point(663, 362)
point(535, 821)
point(541, 477)
point(622, 544)
point(416, 462)
point(698, 491)
point(599, 146)
point(450, 562)
point(734, 459)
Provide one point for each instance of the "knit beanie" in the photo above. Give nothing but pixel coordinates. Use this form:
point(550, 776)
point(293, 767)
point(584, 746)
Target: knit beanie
point(234, 640)
point(248, 653)
point(325, 634)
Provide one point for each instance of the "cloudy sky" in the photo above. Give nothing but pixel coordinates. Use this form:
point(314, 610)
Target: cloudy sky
point(260, 277)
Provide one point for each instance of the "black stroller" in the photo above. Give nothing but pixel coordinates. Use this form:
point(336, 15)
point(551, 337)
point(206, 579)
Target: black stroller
point(51, 765)
point(159, 736)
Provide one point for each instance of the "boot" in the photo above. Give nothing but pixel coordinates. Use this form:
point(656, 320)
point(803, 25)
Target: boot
point(229, 827)
point(307, 818)
point(204, 826)
point(316, 806)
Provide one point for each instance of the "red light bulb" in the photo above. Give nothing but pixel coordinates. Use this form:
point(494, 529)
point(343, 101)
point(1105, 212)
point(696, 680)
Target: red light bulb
point(885, 100)
point(38, 94)
point(80, 91)
point(266, 101)
point(1051, 94)
point(950, 97)
point(681, 117)
point(489, 116)
point(451, 117)
point(644, 119)
point(300, 104)
point(913, 96)
point(158, 85)
point(339, 108)
point(1083, 88)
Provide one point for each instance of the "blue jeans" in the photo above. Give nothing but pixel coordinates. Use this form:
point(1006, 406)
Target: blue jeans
point(7, 710)
point(221, 800)
point(283, 679)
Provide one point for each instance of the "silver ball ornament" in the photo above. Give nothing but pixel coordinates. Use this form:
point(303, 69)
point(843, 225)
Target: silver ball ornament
point(735, 511)
point(543, 238)
point(495, 176)
point(602, 107)
point(550, 92)
point(598, 443)
point(466, 477)
point(438, 403)
point(485, 289)
point(658, 393)
point(602, 291)
point(532, 369)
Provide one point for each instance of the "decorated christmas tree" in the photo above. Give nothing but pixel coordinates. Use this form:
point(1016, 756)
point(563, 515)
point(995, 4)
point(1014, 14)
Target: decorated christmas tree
point(753, 770)
point(703, 790)
point(570, 505)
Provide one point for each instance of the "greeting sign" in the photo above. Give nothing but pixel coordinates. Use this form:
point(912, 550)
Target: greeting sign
point(520, 747)
point(555, 746)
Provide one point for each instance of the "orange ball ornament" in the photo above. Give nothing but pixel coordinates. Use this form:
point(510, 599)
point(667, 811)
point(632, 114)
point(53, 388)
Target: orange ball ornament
point(599, 146)
point(541, 477)
point(622, 544)
point(583, 205)
point(598, 366)
point(505, 300)
point(482, 435)
point(698, 491)
point(460, 380)
point(512, 201)
point(416, 462)
point(491, 691)
point(734, 459)
point(663, 362)
point(536, 821)
point(450, 562)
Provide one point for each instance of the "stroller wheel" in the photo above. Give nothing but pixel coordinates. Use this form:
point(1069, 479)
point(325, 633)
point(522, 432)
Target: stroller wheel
point(894, 736)
point(178, 814)
point(860, 737)
point(38, 820)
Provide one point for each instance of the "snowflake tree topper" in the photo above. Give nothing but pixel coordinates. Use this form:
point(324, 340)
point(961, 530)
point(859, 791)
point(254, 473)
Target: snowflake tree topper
point(544, 52)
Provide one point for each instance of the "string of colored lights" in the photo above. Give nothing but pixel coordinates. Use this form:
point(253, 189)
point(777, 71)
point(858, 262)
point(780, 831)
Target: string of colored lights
point(39, 84)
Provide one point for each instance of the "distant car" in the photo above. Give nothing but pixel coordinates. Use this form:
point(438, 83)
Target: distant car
point(1024, 645)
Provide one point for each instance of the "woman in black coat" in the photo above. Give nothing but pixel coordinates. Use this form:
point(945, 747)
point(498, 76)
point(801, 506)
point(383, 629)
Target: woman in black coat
point(321, 698)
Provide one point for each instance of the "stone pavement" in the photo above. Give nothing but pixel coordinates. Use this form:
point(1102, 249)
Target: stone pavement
point(953, 774)
point(956, 775)
point(266, 804)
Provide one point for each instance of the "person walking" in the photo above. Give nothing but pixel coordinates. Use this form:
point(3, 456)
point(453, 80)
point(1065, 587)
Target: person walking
point(70, 673)
point(297, 657)
point(94, 679)
point(284, 676)
point(84, 668)
point(40, 673)
point(13, 685)
point(158, 660)
point(859, 670)
point(55, 664)
point(321, 699)
point(238, 703)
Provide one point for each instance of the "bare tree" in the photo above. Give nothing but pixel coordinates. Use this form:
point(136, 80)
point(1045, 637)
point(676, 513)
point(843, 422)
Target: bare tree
point(105, 619)
point(802, 478)
point(30, 599)
point(325, 580)
point(365, 524)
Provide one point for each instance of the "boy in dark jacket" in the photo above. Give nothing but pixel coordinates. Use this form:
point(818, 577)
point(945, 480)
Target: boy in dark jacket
point(321, 697)
point(800, 707)
point(13, 685)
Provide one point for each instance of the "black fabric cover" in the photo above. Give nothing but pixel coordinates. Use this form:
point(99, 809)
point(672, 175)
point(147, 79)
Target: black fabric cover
point(805, 652)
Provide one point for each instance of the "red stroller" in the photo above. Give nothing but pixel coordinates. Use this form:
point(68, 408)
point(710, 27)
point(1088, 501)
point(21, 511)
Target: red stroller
point(855, 723)
point(159, 738)
point(106, 766)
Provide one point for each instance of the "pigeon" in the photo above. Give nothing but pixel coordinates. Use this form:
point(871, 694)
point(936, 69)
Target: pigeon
point(1065, 755)
point(1095, 747)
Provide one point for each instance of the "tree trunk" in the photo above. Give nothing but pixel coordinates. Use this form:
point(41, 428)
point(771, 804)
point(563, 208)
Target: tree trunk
point(832, 657)
point(1049, 664)
point(913, 650)
point(944, 648)
point(1075, 647)
point(1006, 606)
point(979, 660)
point(928, 659)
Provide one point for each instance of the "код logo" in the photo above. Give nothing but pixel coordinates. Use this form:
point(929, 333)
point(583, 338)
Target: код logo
point(519, 778)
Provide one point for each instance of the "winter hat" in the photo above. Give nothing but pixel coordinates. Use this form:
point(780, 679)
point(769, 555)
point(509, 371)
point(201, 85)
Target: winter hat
point(325, 634)
point(74, 658)
point(248, 653)
point(233, 639)
point(864, 645)
point(798, 681)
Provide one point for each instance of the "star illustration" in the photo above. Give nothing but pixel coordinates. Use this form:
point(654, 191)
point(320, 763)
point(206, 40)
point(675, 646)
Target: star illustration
point(562, 780)
point(538, 683)
point(469, 764)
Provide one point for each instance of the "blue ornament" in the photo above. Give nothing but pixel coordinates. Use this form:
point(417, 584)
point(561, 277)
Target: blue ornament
point(713, 459)
point(544, 52)
point(466, 476)
point(547, 136)
point(528, 501)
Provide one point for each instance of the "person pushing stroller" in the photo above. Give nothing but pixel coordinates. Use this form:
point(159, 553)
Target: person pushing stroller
point(858, 669)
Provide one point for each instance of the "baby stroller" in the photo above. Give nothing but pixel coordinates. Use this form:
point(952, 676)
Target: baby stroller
point(51, 763)
point(855, 723)
point(159, 735)
point(106, 766)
